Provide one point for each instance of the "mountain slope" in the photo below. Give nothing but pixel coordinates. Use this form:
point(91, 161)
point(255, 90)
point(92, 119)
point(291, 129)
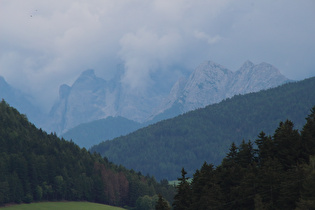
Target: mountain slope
point(92, 133)
point(21, 101)
point(37, 166)
point(206, 134)
point(273, 172)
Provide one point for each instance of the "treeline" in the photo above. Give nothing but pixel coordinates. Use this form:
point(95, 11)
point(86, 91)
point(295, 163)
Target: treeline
point(36, 166)
point(277, 172)
point(206, 134)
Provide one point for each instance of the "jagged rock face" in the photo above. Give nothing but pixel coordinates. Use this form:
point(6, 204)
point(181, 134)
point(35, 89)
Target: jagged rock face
point(252, 78)
point(211, 83)
point(91, 98)
point(206, 85)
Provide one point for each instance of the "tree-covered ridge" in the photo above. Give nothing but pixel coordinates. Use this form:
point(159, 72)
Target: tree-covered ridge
point(36, 166)
point(278, 174)
point(205, 134)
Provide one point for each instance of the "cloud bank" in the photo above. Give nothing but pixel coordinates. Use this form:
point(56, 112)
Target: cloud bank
point(47, 43)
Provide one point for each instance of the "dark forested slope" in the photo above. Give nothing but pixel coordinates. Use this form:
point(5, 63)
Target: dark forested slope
point(205, 134)
point(278, 174)
point(37, 166)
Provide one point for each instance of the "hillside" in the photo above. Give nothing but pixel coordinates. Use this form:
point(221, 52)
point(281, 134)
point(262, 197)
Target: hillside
point(205, 134)
point(273, 172)
point(36, 166)
point(92, 133)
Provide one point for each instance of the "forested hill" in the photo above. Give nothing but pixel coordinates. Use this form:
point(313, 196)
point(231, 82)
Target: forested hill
point(278, 174)
point(205, 134)
point(36, 166)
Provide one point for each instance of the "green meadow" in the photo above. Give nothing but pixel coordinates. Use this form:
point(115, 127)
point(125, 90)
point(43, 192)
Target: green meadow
point(62, 206)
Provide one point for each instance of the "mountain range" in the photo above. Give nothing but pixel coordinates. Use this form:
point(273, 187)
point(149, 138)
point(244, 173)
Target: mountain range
point(210, 83)
point(205, 134)
point(92, 98)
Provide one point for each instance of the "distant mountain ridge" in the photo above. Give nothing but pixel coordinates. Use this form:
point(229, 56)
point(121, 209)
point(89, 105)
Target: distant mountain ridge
point(21, 101)
point(211, 83)
point(92, 133)
point(92, 98)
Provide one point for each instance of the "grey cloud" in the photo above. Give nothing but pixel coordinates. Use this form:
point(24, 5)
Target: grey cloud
point(47, 43)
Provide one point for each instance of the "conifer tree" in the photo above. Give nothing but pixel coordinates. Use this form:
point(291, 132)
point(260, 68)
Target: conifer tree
point(265, 148)
point(245, 156)
point(206, 192)
point(307, 200)
point(182, 199)
point(287, 144)
point(161, 204)
point(308, 136)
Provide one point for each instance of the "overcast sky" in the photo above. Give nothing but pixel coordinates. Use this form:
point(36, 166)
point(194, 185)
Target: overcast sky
point(44, 44)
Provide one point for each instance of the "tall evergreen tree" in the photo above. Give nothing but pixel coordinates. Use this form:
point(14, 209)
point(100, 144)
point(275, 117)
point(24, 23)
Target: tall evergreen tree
point(308, 136)
point(265, 149)
point(287, 143)
point(182, 200)
point(307, 200)
point(245, 156)
point(162, 204)
point(206, 192)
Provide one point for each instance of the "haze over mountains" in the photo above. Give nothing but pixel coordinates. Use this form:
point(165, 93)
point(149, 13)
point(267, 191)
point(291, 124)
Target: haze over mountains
point(21, 101)
point(92, 98)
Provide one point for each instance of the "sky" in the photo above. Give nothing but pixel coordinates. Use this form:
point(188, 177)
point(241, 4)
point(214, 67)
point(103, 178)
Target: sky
point(44, 44)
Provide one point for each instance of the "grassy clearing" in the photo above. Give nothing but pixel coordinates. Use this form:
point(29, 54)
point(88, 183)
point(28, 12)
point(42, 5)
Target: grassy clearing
point(176, 182)
point(62, 206)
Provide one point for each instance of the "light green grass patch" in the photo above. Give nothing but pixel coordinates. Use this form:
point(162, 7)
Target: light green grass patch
point(62, 206)
point(176, 182)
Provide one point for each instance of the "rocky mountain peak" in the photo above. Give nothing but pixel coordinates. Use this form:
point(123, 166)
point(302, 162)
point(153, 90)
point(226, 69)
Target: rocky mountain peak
point(64, 91)
point(211, 83)
point(209, 67)
point(2, 79)
point(247, 64)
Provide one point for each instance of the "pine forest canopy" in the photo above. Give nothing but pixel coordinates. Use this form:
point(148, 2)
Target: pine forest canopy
point(36, 166)
point(278, 174)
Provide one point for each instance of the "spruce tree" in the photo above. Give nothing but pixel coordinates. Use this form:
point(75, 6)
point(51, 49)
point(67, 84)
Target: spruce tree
point(265, 148)
point(307, 200)
point(308, 136)
point(287, 142)
point(161, 204)
point(182, 199)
